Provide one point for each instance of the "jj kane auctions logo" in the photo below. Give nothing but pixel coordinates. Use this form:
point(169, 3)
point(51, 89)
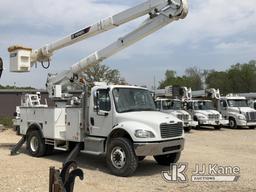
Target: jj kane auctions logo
point(202, 173)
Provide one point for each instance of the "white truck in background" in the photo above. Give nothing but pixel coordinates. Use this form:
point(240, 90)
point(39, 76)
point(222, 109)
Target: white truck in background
point(234, 108)
point(120, 122)
point(237, 111)
point(169, 100)
point(203, 109)
point(204, 113)
point(251, 97)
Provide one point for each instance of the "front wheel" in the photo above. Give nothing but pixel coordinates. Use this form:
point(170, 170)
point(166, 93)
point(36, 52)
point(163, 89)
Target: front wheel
point(167, 159)
point(187, 129)
point(232, 123)
point(35, 144)
point(121, 158)
point(217, 127)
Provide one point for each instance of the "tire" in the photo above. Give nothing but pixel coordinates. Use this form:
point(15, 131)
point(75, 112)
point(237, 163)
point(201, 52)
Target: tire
point(141, 158)
point(232, 123)
point(121, 158)
point(218, 127)
point(252, 127)
point(35, 144)
point(167, 159)
point(187, 129)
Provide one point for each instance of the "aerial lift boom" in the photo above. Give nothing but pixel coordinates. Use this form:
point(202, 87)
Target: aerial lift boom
point(161, 13)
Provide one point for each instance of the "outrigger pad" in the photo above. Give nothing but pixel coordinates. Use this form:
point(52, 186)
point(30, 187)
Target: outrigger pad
point(64, 179)
point(17, 147)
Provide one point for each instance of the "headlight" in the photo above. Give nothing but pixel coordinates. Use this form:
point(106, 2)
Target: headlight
point(201, 117)
point(241, 117)
point(144, 134)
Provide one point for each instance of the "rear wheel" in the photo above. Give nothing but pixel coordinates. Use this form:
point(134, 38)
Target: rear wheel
point(167, 159)
point(35, 144)
point(232, 123)
point(121, 158)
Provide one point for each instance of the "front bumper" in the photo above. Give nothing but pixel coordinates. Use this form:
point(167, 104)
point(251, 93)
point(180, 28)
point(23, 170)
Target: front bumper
point(209, 122)
point(159, 148)
point(190, 123)
point(244, 123)
point(224, 122)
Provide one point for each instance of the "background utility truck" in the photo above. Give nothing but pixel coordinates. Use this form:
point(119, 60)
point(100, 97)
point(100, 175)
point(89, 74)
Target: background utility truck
point(169, 100)
point(120, 122)
point(235, 109)
point(251, 97)
point(204, 112)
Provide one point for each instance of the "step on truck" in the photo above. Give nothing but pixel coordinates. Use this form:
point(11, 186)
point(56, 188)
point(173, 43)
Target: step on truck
point(119, 122)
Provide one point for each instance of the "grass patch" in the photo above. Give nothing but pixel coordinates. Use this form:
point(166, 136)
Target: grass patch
point(6, 121)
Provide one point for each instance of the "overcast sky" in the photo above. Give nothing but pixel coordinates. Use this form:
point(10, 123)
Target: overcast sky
point(215, 35)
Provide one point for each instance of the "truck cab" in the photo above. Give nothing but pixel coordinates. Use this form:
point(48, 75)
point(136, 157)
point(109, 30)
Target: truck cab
point(237, 111)
point(120, 122)
point(174, 107)
point(203, 111)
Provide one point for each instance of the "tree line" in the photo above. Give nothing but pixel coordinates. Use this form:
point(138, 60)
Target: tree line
point(239, 78)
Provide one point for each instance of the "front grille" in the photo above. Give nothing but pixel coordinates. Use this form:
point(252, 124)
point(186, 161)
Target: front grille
point(183, 117)
point(251, 116)
point(213, 117)
point(171, 130)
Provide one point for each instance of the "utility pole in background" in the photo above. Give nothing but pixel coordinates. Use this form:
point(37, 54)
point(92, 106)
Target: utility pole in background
point(1, 66)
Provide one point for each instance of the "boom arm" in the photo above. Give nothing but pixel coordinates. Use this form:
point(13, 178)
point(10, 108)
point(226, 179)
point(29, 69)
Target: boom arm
point(162, 12)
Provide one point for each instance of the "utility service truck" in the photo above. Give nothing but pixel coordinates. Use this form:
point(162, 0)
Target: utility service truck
point(119, 122)
point(237, 110)
point(234, 108)
point(203, 111)
point(251, 97)
point(170, 100)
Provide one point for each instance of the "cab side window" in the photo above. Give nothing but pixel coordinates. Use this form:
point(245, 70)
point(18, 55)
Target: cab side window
point(223, 104)
point(104, 100)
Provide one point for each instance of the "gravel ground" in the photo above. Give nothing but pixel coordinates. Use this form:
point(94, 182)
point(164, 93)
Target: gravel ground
point(226, 147)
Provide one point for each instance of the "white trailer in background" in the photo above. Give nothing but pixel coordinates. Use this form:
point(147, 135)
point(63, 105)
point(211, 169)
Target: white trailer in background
point(170, 101)
point(120, 122)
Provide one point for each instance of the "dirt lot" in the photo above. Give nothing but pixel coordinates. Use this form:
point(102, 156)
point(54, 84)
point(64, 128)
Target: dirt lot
point(225, 147)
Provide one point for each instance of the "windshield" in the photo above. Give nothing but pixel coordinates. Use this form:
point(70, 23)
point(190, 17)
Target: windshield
point(171, 105)
point(130, 99)
point(203, 105)
point(237, 103)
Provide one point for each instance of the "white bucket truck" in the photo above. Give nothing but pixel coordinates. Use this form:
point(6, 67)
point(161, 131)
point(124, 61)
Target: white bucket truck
point(236, 110)
point(120, 122)
point(169, 100)
point(204, 111)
